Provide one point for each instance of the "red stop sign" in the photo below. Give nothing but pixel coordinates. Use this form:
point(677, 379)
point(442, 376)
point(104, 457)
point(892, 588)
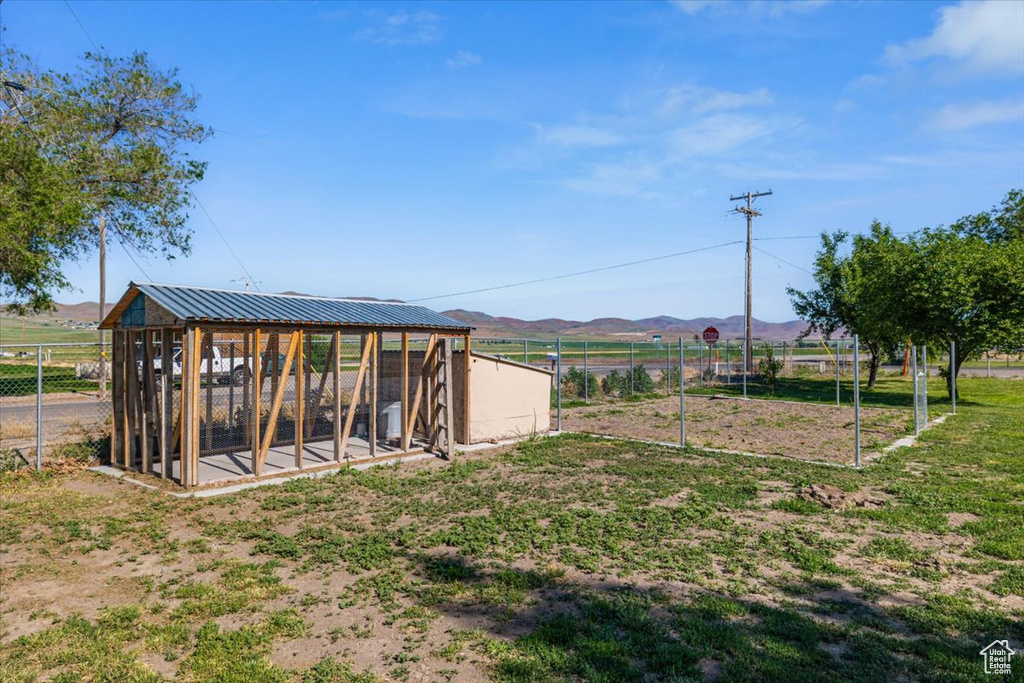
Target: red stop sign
point(710, 335)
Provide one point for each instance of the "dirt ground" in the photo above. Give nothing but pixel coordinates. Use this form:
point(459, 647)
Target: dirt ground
point(800, 430)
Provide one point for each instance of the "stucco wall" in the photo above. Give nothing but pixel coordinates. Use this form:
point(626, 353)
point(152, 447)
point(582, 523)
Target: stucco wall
point(507, 399)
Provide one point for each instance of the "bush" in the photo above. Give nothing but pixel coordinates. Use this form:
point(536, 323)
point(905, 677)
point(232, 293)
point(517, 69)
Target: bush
point(573, 383)
point(625, 385)
point(769, 367)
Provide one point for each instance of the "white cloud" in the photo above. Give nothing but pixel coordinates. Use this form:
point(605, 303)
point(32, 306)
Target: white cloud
point(631, 178)
point(718, 134)
point(691, 7)
point(404, 28)
point(463, 60)
point(698, 100)
point(983, 36)
point(577, 136)
point(964, 116)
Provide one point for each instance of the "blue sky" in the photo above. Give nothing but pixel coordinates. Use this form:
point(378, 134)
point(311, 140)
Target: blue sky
point(415, 149)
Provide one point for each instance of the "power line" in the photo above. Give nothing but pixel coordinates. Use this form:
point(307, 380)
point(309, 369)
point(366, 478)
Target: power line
point(577, 273)
point(782, 260)
point(81, 25)
point(226, 243)
point(141, 269)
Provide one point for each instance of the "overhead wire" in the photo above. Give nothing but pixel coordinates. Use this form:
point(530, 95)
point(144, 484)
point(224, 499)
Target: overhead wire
point(782, 260)
point(81, 25)
point(252, 280)
point(578, 273)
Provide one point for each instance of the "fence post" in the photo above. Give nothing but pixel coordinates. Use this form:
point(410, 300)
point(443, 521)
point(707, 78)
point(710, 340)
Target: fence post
point(837, 372)
point(728, 361)
point(700, 365)
point(631, 389)
point(988, 364)
point(745, 352)
point(682, 399)
point(952, 373)
point(924, 387)
point(526, 351)
point(586, 376)
point(856, 401)
point(917, 397)
point(39, 408)
point(558, 379)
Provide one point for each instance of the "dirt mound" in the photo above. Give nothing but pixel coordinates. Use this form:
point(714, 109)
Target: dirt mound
point(834, 498)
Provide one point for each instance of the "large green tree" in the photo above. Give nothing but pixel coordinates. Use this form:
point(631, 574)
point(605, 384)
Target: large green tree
point(966, 285)
point(850, 287)
point(110, 142)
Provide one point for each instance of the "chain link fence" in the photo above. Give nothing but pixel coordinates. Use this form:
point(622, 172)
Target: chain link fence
point(55, 401)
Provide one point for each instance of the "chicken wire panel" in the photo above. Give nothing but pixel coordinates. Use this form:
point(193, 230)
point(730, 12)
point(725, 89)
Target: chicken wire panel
point(226, 362)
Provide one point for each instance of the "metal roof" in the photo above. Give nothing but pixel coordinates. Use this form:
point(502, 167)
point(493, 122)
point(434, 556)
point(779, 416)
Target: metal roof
point(203, 305)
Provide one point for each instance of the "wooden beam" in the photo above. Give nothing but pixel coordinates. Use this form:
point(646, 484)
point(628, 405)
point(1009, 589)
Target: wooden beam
point(185, 416)
point(208, 432)
point(449, 415)
point(368, 345)
point(410, 423)
point(147, 399)
point(257, 390)
point(166, 400)
point(275, 407)
point(372, 436)
point(196, 378)
point(404, 383)
point(300, 397)
point(250, 361)
point(118, 422)
point(132, 372)
point(465, 407)
point(338, 450)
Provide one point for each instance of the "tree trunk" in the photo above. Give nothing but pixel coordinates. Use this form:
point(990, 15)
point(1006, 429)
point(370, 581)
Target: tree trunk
point(951, 372)
point(876, 361)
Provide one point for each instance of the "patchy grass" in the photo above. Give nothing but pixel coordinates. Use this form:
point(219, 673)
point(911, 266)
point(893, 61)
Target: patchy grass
point(567, 558)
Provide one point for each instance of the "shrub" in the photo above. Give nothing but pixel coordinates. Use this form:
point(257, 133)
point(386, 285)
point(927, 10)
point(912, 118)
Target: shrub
point(769, 367)
point(573, 383)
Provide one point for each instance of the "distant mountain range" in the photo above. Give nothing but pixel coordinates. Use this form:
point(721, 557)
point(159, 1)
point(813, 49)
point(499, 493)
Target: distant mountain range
point(600, 328)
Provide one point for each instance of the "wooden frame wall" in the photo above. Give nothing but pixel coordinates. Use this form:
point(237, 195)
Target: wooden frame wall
point(145, 436)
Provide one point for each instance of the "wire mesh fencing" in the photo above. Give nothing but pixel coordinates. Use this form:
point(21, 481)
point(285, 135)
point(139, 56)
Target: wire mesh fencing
point(804, 395)
point(54, 402)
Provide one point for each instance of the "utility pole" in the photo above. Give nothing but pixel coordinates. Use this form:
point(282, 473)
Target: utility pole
point(749, 212)
point(103, 305)
point(247, 282)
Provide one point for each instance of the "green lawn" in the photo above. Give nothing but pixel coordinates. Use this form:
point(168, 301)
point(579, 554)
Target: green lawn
point(563, 559)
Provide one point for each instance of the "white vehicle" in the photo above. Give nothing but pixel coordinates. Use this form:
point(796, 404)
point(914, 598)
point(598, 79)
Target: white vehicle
point(223, 368)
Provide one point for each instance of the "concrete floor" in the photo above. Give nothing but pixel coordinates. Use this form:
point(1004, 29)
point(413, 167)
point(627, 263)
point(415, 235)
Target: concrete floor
point(280, 460)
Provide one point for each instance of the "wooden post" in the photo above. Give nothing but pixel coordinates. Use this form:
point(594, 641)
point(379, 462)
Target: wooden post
point(118, 422)
point(449, 415)
point(372, 436)
point(275, 407)
point(338, 452)
point(300, 398)
point(195, 380)
point(257, 390)
point(131, 399)
point(275, 341)
point(250, 363)
point(465, 408)
point(166, 400)
point(148, 398)
point(404, 404)
point(185, 420)
point(208, 432)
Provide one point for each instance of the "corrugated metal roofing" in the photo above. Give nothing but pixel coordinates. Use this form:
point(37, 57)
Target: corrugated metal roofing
point(199, 304)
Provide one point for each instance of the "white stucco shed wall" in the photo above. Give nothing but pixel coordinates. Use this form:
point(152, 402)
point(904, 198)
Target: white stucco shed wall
point(507, 399)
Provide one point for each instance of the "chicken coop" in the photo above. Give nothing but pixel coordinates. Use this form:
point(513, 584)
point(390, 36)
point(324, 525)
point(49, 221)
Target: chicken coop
point(212, 385)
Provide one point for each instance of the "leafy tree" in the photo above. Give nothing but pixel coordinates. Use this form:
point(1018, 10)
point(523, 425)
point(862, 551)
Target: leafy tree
point(111, 142)
point(854, 291)
point(960, 287)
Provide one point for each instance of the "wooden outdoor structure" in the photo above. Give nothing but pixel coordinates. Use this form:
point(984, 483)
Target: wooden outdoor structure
point(209, 382)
